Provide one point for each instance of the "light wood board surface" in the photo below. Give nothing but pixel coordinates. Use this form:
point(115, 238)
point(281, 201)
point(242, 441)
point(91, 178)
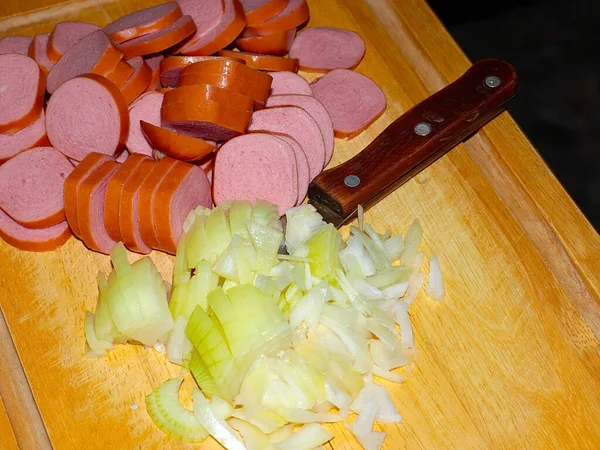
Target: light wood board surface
point(510, 359)
point(7, 436)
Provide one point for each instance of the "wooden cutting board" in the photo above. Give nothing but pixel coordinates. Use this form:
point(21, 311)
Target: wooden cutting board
point(509, 360)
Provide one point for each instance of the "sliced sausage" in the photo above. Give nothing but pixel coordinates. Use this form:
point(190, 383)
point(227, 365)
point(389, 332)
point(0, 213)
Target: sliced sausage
point(270, 43)
point(33, 240)
point(259, 11)
point(139, 80)
point(321, 49)
point(65, 35)
point(160, 40)
point(114, 189)
point(171, 67)
point(145, 210)
point(219, 34)
point(205, 119)
point(231, 75)
point(154, 62)
point(265, 62)
point(22, 98)
point(207, 165)
point(293, 15)
point(80, 173)
point(184, 189)
point(208, 92)
point(15, 44)
point(178, 146)
point(146, 108)
point(33, 135)
point(128, 208)
point(253, 167)
point(299, 125)
point(38, 51)
point(120, 74)
point(90, 208)
point(316, 110)
point(301, 164)
point(143, 22)
point(352, 100)
point(122, 157)
point(87, 113)
point(95, 53)
point(31, 187)
point(289, 83)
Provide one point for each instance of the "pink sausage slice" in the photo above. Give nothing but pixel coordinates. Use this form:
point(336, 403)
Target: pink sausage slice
point(253, 167)
point(218, 25)
point(206, 14)
point(353, 101)
point(27, 239)
point(299, 125)
point(143, 22)
point(95, 53)
point(146, 108)
point(38, 51)
point(289, 83)
point(321, 49)
point(154, 62)
point(33, 135)
point(21, 92)
point(87, 114)
point(15, 44)
point(31, 187)
point(301, 164)
point(316, 110)
point(184, 189)
point(90, 208)
point(65, 35)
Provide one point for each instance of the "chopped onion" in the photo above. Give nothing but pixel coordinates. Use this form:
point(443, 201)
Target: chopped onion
point(387, 375)
point(307, 438)
point(435, 285)
point(406, 331)
point(171, 416)
point(273, 340)
point(96, 346)
point(412, 244)
point(377, 394)
point(253, 437)
point(281, 434)
point(215, 425)
point(415, 284)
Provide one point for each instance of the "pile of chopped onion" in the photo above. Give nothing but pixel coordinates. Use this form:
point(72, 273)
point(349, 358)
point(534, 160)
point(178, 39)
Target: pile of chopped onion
point(273, 341)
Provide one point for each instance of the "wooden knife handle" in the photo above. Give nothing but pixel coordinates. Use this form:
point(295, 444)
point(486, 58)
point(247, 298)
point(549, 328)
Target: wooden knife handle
point(415, 140)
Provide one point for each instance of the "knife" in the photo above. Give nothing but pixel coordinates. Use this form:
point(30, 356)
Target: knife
point(414, 141)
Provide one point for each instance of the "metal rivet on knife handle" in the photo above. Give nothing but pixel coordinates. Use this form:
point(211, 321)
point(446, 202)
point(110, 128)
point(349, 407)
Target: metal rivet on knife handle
point(352, 181)
point(492, 81)
point(423, 129)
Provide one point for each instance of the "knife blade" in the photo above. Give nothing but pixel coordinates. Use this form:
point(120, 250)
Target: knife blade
point(414, 141)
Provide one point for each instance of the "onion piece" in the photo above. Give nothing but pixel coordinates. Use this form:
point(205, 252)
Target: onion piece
point(435, 285)
point(171, 416)
point(253, 437)
point(97, 347)
point(307, 438)
point(215, 425)
point(178, 345)
point(282, 433)
point(377, 394)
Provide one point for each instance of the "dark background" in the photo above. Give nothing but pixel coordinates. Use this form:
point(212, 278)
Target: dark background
point(555, 47)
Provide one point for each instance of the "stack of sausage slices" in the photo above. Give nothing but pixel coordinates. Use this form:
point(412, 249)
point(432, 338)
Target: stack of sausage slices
point(183, 104)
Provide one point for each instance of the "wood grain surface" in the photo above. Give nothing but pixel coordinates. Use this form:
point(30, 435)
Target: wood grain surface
point(7, 436)
point(509, 360)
